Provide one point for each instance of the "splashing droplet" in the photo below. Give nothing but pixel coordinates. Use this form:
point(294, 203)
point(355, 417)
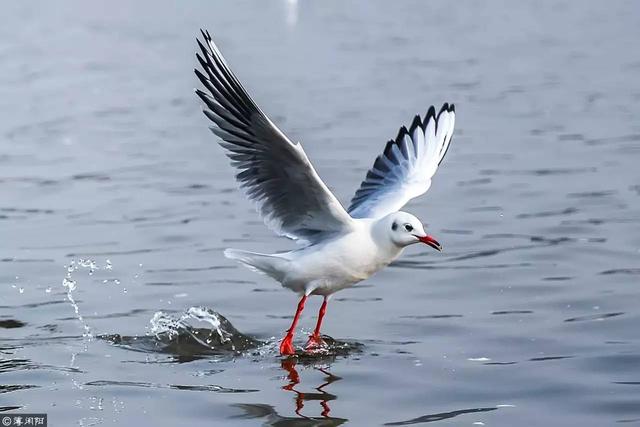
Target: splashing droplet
point(71, 286)
point(88, 263)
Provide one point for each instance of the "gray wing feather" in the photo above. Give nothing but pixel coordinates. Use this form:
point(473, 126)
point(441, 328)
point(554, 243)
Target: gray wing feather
point(405, 168)
point(274, 172)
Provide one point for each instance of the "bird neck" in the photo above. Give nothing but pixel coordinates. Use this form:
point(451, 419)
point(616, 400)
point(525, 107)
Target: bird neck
point(380, 234)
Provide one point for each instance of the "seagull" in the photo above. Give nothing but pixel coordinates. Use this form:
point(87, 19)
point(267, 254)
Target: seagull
point(339, 247)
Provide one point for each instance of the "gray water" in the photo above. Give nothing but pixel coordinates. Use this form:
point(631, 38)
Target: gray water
point(115, 198)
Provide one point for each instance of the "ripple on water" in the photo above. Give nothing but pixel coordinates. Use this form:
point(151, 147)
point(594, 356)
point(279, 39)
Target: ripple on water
point(8, 388)
point(209, 387)
point(11, 324)
point(594, 317)
point(627, 271)
point(432, 316)
point(440, 416)
point(504, 312)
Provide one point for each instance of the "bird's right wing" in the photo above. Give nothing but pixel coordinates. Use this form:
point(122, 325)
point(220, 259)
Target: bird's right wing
point(404, 170)
point(275, 172)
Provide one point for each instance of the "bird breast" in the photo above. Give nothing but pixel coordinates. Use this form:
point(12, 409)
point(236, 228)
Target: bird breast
point(349, 258)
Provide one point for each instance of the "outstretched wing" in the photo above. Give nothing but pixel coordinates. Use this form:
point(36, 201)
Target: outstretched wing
point(405, 168)
point(275, 172)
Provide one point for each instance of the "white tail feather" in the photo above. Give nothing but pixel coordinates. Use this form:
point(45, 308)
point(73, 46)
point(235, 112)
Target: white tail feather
point(271, 265)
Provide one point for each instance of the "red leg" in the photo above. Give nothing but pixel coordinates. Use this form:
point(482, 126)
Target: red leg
point(286, 346)
point(315, 339)
point(321, 313)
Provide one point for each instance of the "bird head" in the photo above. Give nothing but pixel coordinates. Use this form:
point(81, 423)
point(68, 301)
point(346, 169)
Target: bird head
point(405, 229)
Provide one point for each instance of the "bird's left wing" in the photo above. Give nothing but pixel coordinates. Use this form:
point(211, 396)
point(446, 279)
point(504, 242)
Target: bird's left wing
point(404, 170)
point(274, 171)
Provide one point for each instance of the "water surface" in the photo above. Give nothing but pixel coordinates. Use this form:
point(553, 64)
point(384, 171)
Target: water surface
point(116, 201)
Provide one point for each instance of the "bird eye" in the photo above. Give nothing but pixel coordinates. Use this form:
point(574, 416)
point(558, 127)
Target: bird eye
point(408, 227)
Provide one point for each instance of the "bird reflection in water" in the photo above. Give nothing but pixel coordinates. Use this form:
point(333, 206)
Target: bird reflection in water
point(320, 361)
point(294, 385)
point(289, 365)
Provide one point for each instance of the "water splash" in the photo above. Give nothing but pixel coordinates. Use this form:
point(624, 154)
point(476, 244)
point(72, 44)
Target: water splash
point(183, 337)
point(71, 285)
point(220, 333)
point(193, 334)
point(88, 263)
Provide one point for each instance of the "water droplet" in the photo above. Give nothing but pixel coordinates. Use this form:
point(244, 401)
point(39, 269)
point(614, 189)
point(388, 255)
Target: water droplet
point(70, 284)
point(88, 263)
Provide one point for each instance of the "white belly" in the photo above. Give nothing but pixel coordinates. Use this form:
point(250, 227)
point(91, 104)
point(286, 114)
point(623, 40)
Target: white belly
point(336, 264)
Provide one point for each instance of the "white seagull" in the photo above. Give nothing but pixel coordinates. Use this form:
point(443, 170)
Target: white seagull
point(342, 247)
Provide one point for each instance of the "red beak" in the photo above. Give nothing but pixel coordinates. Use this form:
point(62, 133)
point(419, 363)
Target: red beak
point(428, 240)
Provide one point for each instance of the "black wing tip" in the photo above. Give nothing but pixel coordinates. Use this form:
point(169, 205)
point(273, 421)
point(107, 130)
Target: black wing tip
point(203, 79)
point(199, 74)
point(450, 108)
point(431, 113)
point(204, 60)
point(417, 122)
point(387, 148)
point(203, 49)
point(401, 133)
point(208, 48)
point(205, 34)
